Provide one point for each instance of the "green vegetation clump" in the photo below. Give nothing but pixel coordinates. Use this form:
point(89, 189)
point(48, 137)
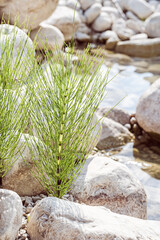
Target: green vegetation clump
point(60, 100)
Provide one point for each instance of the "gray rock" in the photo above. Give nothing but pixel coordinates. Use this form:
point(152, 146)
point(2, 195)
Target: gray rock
point(62, 18)
point(10, 214)
point(113, 135)
point(139, 48)
point(118, 115)
point(152, 25)
point(73, 4)
point(105, 182)
point(53, 218)
point(102, 23)
point(93, 12)
point(82, 37)
point(47, 32)
point(148, 110)
point(131, 15)
point(139, 7)
point(31, 12)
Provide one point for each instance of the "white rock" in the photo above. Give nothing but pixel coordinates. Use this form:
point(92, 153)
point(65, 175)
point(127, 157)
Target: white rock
point(63, 18)
point(84, 28)
point(152, 25)
point(107, 34)
point(24, 182)
point(131, 15)
point(82, 37)
point(22, 43)
point(104, 182)
point(121, 29)
point(136, 26)
point(31, 12)
point(53, 218)
point(102, 23)
point(47, 32)
point(73, 4)
point(139, 7)
point(113, 134)
point(148, 109)
point(93, 12)
point(113, 12)
point(86, 3)
point(139, 48)
point(10, 214)
point(139, 36)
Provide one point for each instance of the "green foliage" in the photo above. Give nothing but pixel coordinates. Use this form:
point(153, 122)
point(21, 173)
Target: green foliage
point(65, 100)
point(15, 64)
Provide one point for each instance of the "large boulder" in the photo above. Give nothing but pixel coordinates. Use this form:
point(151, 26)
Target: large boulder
point(139, 7)
point(152, 25)
point(20, 178)
point(49, 33)
point(29, 13)
point(53, 218)
point(113, 134)
point(64, 18)
point(148, 110)
point(104, 182)
point(139, 48)
point(10, 214)
point(123, 32)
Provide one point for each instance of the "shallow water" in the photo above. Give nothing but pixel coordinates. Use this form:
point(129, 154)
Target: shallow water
point(143, 160)
point(128, 84)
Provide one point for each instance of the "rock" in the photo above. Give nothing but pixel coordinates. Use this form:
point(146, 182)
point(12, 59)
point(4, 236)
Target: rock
point(62, 18)
point(83, 28)
point(108, 34)
point(86, 4)
point(82, 37)
point(152, 25)
point(121, 29)
point(22, 43)
point(104, 182)
point(118, 115)
point(130, 15)
point(10, 214)
point(139, 36)
point(50, 33)
point(31, 13)
point(111, 11)
point(73, 4)
point(113, 135)
point(139, 7)
point(53, 218)
point(136, 26)
point(93, 12)
point(139, 48)
point(148, 110)
point(24, 182)
point(102, 23)
point(111, 43)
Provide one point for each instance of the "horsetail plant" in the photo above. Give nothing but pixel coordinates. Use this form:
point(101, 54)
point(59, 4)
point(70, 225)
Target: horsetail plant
point(66, 97)
point(16, 59)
